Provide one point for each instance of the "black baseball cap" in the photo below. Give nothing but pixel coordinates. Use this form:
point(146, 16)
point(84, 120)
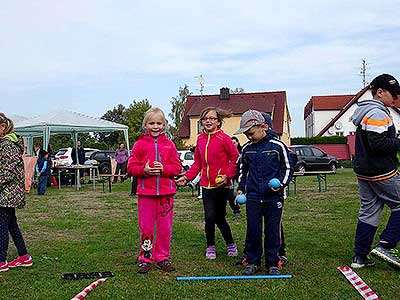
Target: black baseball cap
point(386, 82)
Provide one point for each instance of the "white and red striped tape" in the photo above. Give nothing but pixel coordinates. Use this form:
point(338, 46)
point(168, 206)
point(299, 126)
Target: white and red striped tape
point(358, 283)
point(89, 288)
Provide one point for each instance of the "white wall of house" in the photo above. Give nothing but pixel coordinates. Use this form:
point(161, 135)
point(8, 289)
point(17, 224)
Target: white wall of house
point(343, 126)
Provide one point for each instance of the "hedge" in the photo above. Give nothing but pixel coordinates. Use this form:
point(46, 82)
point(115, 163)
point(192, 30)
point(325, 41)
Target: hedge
point(318, 140)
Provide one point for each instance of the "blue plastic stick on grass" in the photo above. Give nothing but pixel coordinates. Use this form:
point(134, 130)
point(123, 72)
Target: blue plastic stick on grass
point(282, 276)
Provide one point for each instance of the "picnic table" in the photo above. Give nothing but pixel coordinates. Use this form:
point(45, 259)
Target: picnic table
point(321, 179)
point(93, 172)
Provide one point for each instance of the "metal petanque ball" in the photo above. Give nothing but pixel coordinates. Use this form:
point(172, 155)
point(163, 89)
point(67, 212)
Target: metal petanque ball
point(275, 183)
point(241, 199)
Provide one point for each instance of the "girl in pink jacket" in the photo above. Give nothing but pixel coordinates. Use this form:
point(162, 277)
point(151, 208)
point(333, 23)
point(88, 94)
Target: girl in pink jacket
point(215, 157)
point(154, 161)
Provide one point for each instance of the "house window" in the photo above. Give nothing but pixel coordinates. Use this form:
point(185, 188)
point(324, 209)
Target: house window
point(199, 127)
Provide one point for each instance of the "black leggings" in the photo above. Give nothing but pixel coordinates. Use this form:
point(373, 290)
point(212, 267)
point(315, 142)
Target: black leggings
point(8, 224)
point(214, 202)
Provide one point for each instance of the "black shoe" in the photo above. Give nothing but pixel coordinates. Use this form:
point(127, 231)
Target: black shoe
point(361, 262)
point(242, 261)
point(166, 266)
point(251, 269)
point(391, 256)
point(283, 260)
point(274, 271)
point(144, 267)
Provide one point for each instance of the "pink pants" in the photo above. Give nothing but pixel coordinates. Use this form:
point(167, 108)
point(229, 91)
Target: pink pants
point(158, 211)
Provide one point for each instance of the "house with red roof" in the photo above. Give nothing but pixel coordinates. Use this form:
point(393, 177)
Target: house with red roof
point(330, 115)
point(273, 103)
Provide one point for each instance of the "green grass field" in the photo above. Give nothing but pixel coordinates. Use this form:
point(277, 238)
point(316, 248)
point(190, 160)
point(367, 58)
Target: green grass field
point(86, 231)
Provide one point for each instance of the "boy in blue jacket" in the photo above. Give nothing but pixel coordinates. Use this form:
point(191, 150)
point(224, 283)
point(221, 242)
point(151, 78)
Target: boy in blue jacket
point(42, 171)
point(264, 158)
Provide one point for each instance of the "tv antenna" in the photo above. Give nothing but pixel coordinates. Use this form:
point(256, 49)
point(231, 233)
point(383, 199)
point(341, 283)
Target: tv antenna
point(202, 83)
point(363, 72)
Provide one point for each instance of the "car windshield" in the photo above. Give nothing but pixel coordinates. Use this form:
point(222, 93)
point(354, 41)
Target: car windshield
point(61, 151)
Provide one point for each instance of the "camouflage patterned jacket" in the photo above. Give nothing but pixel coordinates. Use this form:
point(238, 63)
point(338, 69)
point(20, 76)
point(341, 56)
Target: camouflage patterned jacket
point(12, 181)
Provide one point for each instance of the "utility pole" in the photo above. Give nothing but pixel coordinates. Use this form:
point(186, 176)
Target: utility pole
point(363, 72)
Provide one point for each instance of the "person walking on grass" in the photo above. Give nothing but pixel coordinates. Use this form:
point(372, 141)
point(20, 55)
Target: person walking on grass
point(12, 195)
point(155, 162)
point(215, 157)
point(263, 159)
point(232, 196)
point(121, 157)
point(376, 167)
point(42, 171)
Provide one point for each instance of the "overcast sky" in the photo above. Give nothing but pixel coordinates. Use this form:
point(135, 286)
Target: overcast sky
point(89, 56)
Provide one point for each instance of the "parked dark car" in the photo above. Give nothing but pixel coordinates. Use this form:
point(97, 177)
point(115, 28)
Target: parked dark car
point(103, 158)
point(311, 158)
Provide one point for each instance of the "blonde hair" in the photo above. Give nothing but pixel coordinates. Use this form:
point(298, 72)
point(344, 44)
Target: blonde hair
point(154, 110)
point(9, 123)
point(221, 114)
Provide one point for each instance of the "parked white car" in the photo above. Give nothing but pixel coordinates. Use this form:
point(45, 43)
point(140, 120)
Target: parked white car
point(187, 158)
point(64, 156)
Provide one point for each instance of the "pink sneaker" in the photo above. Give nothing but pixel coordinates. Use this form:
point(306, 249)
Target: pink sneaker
point(211, 252)
point(3, 266)
point(21, 261)
point(231, 249)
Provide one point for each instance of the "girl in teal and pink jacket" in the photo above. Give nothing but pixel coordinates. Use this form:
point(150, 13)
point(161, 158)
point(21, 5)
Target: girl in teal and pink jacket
point(155, 162)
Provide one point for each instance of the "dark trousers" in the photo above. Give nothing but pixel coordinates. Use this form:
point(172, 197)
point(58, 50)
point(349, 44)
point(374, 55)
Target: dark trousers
point(282, 248)
point(121, 167)
point(42, 184)
point(8, 224)
point(134, 185)
point(269, 213)
point(234, 206)
point(214, 202)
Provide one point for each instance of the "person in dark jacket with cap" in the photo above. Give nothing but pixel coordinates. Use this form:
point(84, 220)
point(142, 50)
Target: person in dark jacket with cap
point(375, 165)
point(263, 159)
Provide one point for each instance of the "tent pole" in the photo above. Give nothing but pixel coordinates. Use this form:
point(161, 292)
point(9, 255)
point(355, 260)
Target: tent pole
point(127, 141)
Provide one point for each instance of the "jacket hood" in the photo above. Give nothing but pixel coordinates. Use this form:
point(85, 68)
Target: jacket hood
point(364, 107)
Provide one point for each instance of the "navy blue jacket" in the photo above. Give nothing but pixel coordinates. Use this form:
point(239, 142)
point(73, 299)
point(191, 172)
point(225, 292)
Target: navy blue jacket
point(260, 162)
point(39, 166)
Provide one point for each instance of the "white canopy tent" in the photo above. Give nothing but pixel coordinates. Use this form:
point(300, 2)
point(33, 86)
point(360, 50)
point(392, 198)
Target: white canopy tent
point(64, 122)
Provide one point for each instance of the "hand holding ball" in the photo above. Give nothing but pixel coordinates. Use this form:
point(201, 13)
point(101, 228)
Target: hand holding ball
point(241, 199)
point(152, 165)
point(218, 179)
point(274, 183)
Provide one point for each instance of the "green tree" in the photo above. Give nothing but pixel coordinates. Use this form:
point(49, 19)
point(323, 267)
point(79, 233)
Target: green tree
point(177, 109)
point(117, 115)
point(134, 117)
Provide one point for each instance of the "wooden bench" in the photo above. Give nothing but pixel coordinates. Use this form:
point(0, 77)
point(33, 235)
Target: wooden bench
point(321, 179)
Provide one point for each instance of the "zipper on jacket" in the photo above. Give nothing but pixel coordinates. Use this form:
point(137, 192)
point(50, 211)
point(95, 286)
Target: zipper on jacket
point(206, 159)
point(156, 158)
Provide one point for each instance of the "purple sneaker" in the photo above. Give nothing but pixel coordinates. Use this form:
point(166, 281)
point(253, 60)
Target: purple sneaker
point(211, 252)
point(231, 249)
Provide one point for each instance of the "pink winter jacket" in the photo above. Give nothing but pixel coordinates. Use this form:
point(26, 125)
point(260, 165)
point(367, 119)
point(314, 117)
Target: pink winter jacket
point(148, 148)
point(215, 154)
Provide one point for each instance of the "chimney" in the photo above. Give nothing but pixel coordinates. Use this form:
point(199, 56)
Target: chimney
point(224, 93)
